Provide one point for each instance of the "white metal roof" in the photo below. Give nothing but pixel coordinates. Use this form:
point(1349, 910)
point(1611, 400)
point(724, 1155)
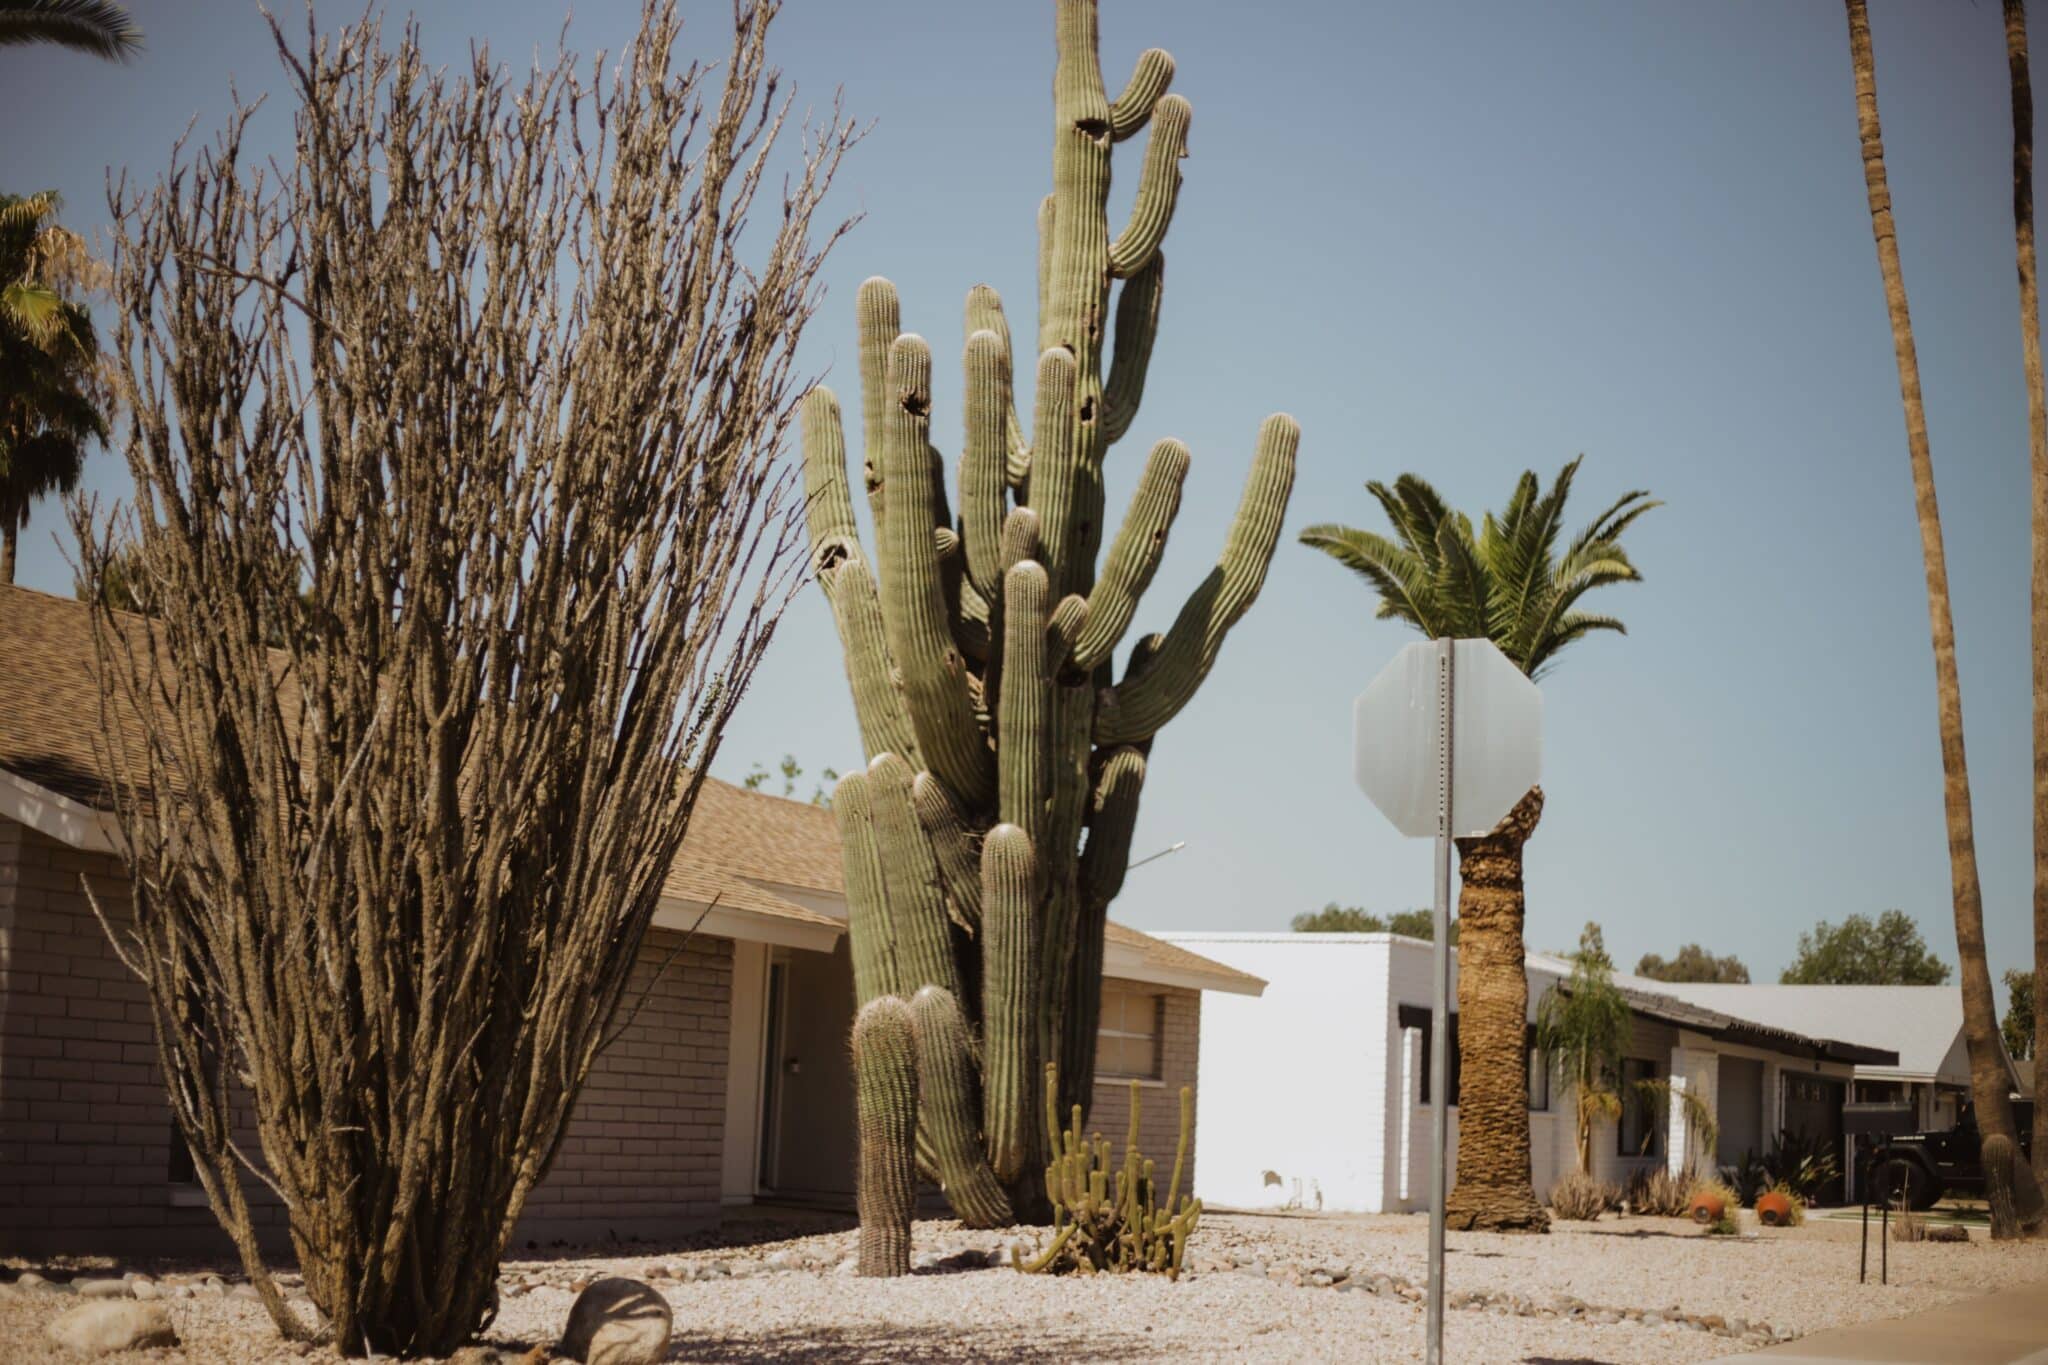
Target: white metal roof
point(1923, 1024)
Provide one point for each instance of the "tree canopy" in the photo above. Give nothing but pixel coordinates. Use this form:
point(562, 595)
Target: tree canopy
point(1860, 951)
point(1693, 963)
point(1506, 581)
point(2017, 1028)
point(1352, 919)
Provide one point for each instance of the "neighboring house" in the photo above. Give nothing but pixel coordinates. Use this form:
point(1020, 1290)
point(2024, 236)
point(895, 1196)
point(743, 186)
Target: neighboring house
point(1318, 1091)
point(1922, 1024)
point(731, 1084)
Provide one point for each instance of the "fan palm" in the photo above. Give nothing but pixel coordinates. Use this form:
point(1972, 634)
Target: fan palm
point(1516, 581)
point(96, 26)
point(1989, 1078)
point(50, 381)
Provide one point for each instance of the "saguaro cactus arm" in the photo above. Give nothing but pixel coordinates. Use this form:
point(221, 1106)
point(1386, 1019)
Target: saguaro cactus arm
point(917, 903)
point(1022, 711)
point(881, 322)
point(984, 456)
point(1158, 188)
point(946, 1065)
point(1137, 327)
point(1009, 885)
point(914, 605)
point(1149, 79)
point(1134, 555)
point(849, 585)
point(953, 846)
point(885, 1092)
point(1135, 709)
point(869, 929)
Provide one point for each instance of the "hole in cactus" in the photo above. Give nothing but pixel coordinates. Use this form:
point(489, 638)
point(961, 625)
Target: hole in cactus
point(1087, 409)
point(916, 404)
point(830, 558)
point(1094, 129)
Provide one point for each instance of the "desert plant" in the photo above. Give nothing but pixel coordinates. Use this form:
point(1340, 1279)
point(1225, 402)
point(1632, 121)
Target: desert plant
point(1509, 583)
point(1748, 1176)
point(1726, 1224)
point(1710, 1201)
point(991, 830)
point(1582, 1025)
point(1658, 1193)
point(1801, 1164)
point(1785, 1196)
point(1907, 1226)
point(1579, 1198)
point(99, 27)
point(1097, 1226)
point(481, 370)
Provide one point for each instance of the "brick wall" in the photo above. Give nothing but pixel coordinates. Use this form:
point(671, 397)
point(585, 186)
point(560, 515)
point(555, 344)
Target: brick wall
point(85, 1135)
point(1158, 1104)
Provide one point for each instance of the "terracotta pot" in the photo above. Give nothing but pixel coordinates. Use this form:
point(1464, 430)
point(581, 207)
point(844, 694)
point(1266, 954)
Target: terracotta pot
point(1707, 1206)
point(1773, 1209)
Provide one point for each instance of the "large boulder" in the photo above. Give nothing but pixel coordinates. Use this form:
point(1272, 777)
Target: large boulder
point(618, 1321)
point(107, 1325)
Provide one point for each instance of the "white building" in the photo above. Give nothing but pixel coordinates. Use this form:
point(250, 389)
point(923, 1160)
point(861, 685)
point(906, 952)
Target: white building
point(1317, 1090)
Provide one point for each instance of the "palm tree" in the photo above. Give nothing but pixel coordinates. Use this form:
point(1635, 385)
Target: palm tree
point(96, 26)
point(1508, 583)
point(2037, 445)
point(1582, 1028)
point(50, 384)
point(1989, 1080)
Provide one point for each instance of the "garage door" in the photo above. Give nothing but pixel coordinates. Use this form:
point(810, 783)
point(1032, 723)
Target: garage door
point(1813, 1107)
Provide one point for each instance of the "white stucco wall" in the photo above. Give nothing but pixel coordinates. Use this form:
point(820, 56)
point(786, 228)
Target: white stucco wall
point(1296, 1081)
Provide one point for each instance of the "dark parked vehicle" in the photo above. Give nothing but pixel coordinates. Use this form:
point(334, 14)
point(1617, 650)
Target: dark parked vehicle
point(1923, 1167)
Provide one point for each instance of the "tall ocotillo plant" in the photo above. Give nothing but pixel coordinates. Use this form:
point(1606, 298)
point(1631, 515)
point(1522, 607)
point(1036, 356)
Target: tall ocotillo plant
point(990, 833)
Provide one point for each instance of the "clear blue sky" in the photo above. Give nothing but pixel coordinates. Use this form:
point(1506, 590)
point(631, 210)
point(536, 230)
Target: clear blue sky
point(1460, 240)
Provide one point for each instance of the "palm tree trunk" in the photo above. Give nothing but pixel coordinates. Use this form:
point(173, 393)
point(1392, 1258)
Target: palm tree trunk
point(8, 536)
point(1989, 1083)
point(2037, 447)
point(1494, 1191)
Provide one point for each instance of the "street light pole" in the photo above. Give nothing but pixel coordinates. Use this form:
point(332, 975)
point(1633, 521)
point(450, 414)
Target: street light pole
point(1150, 857)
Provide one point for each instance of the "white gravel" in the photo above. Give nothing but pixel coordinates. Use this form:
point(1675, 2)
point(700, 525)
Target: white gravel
point(1256, 1292)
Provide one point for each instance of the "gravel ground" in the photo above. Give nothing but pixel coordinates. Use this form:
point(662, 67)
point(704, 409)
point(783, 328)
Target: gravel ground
point(1262, 1287)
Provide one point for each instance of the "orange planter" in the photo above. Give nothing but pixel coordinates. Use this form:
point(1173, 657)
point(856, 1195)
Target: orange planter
point(1707, 1206)
point(1773, 1209)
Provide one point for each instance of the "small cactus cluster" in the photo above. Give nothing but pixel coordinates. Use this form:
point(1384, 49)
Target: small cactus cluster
point(992, 826)
point(1098, 1226)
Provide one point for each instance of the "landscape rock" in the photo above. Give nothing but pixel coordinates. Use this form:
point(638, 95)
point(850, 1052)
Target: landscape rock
point(145, 1289)
point(106, 1326)
point(101, 1289)
point(618, 1322)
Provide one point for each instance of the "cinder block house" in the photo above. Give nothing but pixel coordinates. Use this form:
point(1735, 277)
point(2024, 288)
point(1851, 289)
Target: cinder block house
point(1318, 1091)
point(730, 1085)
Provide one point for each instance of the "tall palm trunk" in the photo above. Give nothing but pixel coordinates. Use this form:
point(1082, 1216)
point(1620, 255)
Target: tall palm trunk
point(1494, 1191)
point(2037, 447)
point(1989, 1082)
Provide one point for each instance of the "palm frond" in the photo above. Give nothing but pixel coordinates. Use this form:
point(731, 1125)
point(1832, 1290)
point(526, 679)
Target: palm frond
point(1418, 539)
point(1611, 523)
point(1396, 573)
point(20, 212)
point(1461, 579)
point(1572, 627)
point(99, 27)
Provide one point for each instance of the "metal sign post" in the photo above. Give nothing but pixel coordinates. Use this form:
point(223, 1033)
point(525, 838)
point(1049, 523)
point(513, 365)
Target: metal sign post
point(1445, 712)
point(1440, 1005)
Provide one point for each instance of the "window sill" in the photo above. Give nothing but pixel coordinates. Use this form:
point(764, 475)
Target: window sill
point(187, 1197)
point(1144, 1082)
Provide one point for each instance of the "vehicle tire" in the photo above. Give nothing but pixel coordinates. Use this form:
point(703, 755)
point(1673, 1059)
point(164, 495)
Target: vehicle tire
point(1901, 1176)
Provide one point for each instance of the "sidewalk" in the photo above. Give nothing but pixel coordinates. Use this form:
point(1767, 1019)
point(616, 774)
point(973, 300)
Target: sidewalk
point(2007, 1328)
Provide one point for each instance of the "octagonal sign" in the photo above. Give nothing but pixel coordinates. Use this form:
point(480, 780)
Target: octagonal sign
point(1497, 738)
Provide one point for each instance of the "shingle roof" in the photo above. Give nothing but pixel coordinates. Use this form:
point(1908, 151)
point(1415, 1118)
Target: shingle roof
point(741, 845)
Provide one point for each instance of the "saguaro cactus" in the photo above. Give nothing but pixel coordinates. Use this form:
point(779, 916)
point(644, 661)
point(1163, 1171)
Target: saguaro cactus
point(991, 830)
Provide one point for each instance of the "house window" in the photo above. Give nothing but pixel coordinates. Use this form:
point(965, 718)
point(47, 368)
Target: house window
point(1637, 1133)
point(1880, 1092)
point(1418, 1017)
point(1127, 1042)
